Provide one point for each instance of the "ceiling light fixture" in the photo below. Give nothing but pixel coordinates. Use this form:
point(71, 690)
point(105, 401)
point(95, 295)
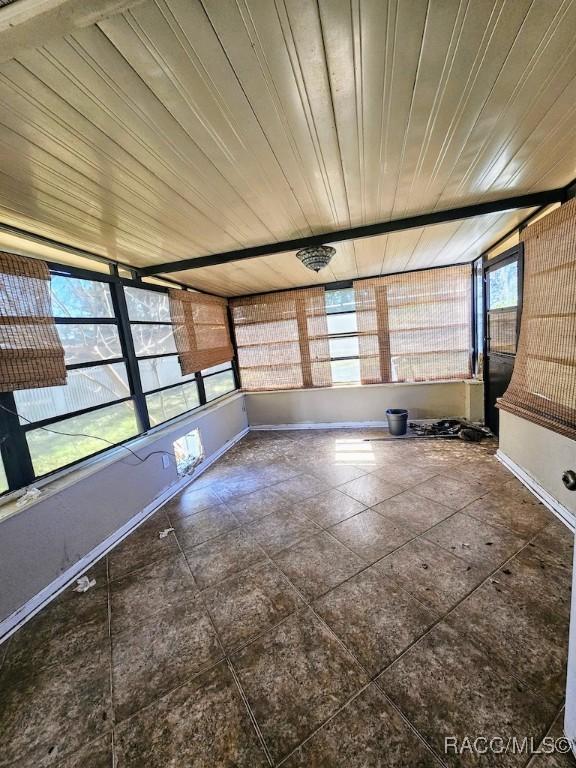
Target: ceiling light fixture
point(317, 257)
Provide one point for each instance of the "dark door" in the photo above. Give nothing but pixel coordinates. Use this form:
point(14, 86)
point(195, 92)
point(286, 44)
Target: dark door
point(502, 310)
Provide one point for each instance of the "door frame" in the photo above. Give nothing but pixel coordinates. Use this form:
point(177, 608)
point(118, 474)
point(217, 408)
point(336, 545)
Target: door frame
point(516, 252)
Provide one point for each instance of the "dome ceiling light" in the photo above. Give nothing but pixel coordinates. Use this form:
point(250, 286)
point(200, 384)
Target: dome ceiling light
point(317, 257)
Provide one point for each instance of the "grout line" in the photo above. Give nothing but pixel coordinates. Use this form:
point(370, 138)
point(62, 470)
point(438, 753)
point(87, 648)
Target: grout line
point(204, 670)
point(325, 722)
point(434, 624)
point(371, 679)
point(111, 662)
point(501, 526)
point(531, 761)
point(226, 658)
point(374, 678)
point(251, 714)
point(375, 562)
point(464, 634)
point(308, 606)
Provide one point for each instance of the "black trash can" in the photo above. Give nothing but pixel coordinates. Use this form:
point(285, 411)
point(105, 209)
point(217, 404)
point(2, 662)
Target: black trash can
point(397, 421)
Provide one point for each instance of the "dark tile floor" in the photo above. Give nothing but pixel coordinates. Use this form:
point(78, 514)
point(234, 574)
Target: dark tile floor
point(323, 600)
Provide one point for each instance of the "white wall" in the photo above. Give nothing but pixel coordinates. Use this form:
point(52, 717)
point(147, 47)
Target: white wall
point(78, 512)
point(541, 453)
point(570, 711)
point(44, 541)
point(364, 404)
point(543, 456)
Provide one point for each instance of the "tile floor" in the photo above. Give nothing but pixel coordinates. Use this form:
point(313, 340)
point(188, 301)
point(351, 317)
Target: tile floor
point(323, 600)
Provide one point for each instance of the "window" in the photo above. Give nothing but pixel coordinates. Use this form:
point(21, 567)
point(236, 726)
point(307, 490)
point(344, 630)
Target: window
point(167, 392)
point(96, 400)
point(343, 336)
point(51, 450)
point(415, 326)
point(543, 385)
point(110, 395)
point(282, 339)
point(218, 381)
point(189, 452)
point(478, 316)
point(502, 307)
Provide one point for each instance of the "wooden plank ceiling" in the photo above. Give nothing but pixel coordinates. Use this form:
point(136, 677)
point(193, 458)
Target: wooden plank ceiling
point(180, 128)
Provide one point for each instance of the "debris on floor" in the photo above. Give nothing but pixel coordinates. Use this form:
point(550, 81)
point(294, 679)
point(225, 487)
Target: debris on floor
point(83, 584)
point(445, 428)
point(464, 430)
point(165, 532)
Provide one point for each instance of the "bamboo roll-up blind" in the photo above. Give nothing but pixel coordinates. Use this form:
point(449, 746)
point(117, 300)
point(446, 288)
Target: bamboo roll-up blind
point(201, 330)
point(543, 384)
point(31, 353)
point(415, 326)
point(282, 340)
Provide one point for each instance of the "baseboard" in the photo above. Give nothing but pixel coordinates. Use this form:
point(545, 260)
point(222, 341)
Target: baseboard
point(541, 493)
point(336, 425)
point(319, 425)
point(15, 620)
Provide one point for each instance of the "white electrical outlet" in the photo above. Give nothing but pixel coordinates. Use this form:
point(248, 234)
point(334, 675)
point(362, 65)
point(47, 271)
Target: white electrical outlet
point(165, 460)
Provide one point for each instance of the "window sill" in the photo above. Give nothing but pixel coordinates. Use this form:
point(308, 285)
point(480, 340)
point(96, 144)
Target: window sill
point(61, 479)
point(363, 386)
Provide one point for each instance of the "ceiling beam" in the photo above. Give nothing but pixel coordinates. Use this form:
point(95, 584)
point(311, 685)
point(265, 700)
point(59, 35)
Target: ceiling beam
point(30, 237)
point(32, 23)
point(533, 200)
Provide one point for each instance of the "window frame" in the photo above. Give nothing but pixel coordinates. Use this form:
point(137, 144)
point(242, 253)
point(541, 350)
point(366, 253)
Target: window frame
point(199, 377)
point(342, 335)
point(14, 451)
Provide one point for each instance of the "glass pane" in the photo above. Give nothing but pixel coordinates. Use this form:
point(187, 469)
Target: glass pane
point(280, 331)
point(72, 297)
point(92, 432)
point(479, 319)
point(217, 369)
point(189, 452)
point(418, 341)
point(172, 402)
point(345, 371)
point(340, 301)
point(347, 347)
point(86, 387)
point(342, 323)
point(431, 367)
point(502, 330)
point(161, 372)
point(151, 306)
point(3, 480)
point(84, 343)
point(218, 385)
point(503, 286)
point(153, 339)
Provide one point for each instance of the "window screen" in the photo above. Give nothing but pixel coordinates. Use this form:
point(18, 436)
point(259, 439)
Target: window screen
point(31, 353)
point(543, 384)
point(415, 326)
point(168, 392)
point(201, 329)
point(502, 300)
point(282, 340)
point(343, 336)
point(94, 409)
